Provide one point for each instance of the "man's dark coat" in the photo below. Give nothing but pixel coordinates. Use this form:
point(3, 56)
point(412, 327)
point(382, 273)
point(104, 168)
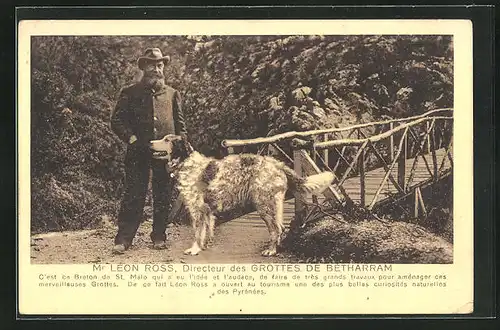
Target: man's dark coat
point(149, 115)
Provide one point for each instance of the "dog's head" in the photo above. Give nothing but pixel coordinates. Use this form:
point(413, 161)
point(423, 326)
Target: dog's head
point(173, 149)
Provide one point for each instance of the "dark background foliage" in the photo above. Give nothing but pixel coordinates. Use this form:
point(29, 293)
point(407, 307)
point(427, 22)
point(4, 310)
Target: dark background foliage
point(232, 87)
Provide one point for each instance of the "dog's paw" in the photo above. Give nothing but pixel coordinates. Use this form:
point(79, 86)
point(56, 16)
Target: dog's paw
point(192, 250)
point(269, 252)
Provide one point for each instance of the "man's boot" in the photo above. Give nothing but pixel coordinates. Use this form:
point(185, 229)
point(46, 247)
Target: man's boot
point(119, 249)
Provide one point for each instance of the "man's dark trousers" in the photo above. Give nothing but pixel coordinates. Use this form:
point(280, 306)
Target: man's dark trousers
point(138, 162)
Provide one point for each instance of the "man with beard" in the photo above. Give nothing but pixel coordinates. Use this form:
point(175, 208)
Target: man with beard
point(146, 111)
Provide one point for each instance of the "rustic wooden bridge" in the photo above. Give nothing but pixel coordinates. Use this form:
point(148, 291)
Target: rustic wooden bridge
point(376, 164)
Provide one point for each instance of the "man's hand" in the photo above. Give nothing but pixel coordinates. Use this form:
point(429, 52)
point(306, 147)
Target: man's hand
point(132, 139)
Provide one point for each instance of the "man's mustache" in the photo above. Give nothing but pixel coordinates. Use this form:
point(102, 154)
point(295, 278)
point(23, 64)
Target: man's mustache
point(154, 75)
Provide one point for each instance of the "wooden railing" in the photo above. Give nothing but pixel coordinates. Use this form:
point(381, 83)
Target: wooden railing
point(356, 150)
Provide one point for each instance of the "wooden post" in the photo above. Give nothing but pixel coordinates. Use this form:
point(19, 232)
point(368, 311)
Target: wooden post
point(434, 157)
point(391, 143)
point(300, 207)
point(427, 125)
point(312, 154)
point(402, 163)
point(421, 202)
point(362, 179)
point(325, 151)
point(388, 171)
point(415, 207)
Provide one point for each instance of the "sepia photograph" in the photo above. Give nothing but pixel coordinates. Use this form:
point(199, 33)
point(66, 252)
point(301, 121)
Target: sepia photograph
point(302, 148)
point(246, 163)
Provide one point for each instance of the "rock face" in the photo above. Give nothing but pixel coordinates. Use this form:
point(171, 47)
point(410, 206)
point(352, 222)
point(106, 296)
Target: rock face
point(369, 241)
point(319, 112)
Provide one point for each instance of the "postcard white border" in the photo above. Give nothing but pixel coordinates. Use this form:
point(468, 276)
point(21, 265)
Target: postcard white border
point(456, 298)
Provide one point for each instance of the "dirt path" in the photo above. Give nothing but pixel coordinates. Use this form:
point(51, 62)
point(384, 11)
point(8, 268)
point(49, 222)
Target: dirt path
point(238, 241)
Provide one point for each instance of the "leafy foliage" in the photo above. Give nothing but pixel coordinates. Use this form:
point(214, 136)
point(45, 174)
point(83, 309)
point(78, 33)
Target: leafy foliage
point(232, 87)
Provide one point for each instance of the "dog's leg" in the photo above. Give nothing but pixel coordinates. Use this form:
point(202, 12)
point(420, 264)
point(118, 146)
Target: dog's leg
point(198, 226)
point(211, 225)
point(272, 214)
point(275, 233)
point(203, 232)
point(280, 204)
point(203, 224)
point(208, 223)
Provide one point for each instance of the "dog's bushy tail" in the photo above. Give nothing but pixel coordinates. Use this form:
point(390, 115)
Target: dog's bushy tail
point(314, 184)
